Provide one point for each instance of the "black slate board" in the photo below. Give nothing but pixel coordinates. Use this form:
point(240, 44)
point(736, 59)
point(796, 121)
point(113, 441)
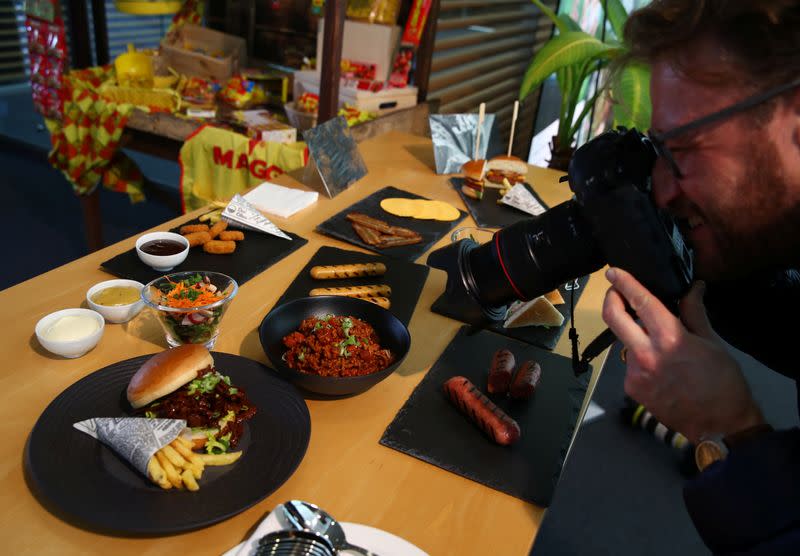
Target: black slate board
point(487, 213)
point(406, 279)
point(254, 255)
point(542, 336)
point(430, 428)
point(431, 230)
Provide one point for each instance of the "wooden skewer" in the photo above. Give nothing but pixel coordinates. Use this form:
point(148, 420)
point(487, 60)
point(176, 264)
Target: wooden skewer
point(481, 114)
point(513, 124)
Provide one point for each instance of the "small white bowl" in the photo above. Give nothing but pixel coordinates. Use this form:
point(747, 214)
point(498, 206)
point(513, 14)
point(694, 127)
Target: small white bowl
point(116, 314)
point(162, 263)
point(69, 348)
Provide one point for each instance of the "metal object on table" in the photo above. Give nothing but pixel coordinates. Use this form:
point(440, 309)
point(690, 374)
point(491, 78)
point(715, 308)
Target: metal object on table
point(308, 517)
point(294, 543)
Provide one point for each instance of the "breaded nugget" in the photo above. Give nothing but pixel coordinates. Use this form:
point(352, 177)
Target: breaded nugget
point(231, 235)
point(217, 228)
point(192, 228)
point(198, 238)
point(216, 247)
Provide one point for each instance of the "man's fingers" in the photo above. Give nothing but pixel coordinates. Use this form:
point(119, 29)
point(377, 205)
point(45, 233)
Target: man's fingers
point(654, 315)
point(693, 312)
point(621, 322)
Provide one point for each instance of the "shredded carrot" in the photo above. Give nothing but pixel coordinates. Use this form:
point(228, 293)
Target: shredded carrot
point(176, 298)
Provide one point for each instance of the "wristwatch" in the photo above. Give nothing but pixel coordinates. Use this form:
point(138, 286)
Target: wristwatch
point(716, 448)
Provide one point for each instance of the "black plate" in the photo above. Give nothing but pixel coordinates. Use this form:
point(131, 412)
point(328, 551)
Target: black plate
point(406, 279)
point(284, 319)
point(431, 230)
point(254, 255)
point(87, 484)
point(542, 336)
point(487, 213)
point(430, 428)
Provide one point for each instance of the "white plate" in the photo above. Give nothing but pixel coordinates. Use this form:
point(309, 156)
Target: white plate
point(375, 540)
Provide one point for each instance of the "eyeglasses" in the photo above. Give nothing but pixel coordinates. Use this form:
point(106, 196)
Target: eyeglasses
point(659, 139)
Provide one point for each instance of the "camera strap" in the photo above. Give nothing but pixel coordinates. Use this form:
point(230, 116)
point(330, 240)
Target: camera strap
point(580, 363)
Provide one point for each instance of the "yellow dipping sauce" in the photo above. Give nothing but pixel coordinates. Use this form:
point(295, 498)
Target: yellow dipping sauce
point(72, 327)
point(117, 295)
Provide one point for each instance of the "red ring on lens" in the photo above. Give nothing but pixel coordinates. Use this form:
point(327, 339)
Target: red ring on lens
point(503, 266)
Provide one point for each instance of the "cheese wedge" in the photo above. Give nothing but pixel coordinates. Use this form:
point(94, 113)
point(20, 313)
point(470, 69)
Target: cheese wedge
point(536, 312)
point(554, 297)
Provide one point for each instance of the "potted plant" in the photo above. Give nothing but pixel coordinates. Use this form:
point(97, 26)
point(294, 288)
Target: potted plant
point(574, 56)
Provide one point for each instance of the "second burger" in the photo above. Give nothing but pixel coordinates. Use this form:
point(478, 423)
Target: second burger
point(474, 172)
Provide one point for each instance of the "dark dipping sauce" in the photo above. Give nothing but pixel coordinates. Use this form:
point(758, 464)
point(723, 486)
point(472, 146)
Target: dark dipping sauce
point(163, 247)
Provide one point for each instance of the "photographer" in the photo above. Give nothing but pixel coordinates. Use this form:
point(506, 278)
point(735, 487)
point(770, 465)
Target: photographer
point(734, 184)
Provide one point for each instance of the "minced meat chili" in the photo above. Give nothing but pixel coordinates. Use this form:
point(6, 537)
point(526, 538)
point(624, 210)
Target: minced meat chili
point(206, 402)
point(336, 346)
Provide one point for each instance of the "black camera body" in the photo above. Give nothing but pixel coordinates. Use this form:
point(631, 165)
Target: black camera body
point(612, 220)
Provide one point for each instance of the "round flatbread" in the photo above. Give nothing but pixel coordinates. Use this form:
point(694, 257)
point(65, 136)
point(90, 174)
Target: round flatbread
point(446, 212)
point(399, 206)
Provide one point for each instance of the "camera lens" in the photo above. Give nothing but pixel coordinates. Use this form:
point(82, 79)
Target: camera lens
point(534, 256)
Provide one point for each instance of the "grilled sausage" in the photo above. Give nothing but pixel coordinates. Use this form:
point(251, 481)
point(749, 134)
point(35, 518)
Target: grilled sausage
point(348, 271)
point(526, 380)
point(380, 301)
point(482, 411)
point(501, 371)
point(376, 290)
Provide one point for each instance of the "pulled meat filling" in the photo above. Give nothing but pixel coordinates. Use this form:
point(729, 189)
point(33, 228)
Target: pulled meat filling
point(496, 176)
point(336, 346)
point(208, 402)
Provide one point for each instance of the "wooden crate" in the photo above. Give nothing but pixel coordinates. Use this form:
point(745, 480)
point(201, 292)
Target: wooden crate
point(181, 53)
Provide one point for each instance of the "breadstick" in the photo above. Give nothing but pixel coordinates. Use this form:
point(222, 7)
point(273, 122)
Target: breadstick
point(377, 290)
point(348, 271)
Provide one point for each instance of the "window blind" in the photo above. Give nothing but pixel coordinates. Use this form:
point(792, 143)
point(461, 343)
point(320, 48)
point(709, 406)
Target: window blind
point(13, 43)
point(481, 51)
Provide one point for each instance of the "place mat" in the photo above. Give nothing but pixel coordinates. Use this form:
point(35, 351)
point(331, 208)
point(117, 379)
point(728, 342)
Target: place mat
point(542, 336)
point(429, 427)
point(431, 230)
point(487, 213)
point(406, 279)
point(256, 253)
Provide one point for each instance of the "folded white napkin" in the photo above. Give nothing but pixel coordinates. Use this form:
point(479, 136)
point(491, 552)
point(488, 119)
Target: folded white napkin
point(280, 201)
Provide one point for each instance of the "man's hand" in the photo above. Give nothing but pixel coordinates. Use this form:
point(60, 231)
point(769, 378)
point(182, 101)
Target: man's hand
point(679, 369)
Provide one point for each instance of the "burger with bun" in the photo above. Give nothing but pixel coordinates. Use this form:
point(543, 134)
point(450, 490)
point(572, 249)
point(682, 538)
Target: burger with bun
point(182, 383)
point(474, 171)
point(509, 167)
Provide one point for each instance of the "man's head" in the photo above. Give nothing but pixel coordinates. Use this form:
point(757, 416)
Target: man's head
point(739, 194)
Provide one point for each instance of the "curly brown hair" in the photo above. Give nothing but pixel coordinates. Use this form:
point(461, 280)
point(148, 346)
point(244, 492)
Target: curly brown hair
point(761, 39)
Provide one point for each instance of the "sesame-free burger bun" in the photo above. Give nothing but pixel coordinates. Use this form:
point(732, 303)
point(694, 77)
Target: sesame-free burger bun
point(167, 371)
point(505, 163)
point(474, 169)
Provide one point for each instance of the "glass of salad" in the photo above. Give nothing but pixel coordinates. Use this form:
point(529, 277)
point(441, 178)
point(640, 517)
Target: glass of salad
point(190, 305)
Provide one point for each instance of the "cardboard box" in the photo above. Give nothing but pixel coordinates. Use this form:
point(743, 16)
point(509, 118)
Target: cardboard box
point(381, 102)
point(366, 43)
point(261, 125)
point(197, 51)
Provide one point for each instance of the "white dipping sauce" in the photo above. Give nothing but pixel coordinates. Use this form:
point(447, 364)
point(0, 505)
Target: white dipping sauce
point(71, 327)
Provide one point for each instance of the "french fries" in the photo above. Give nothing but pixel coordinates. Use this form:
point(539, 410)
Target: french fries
point(177, 466)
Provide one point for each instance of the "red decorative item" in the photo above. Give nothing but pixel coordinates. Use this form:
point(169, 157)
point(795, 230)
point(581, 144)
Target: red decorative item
point(47, 47)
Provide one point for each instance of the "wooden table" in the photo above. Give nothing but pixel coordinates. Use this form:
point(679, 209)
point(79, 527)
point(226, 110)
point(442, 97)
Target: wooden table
point(345, 469)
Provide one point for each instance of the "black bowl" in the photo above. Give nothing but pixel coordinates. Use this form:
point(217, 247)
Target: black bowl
point(285, 319)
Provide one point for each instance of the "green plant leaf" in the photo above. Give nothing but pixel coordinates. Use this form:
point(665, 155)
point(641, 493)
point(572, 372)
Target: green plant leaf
point(560, 24)
point(568, 24)
point(617, 16)
point(631, 96)
point(567, 49)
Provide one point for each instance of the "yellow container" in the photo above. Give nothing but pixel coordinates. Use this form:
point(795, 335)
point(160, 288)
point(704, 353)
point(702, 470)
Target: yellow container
point(148, 7)
point(134, 69)
point(374, 11)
